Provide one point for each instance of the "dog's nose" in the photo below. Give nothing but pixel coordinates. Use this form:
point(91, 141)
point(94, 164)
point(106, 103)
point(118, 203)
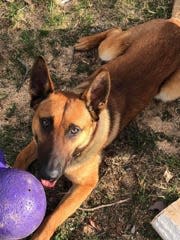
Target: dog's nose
point(50, 174)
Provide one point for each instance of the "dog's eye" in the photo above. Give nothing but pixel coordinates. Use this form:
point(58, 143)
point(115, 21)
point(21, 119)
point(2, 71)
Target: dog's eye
point(73, 130)
point(46, 123)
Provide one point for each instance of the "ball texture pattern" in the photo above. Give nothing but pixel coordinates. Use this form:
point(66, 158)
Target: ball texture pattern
point(22, 204)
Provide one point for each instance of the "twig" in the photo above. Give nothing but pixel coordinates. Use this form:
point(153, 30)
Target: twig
point(104, 205)
point(3, 96)
point(27, 70)
point(72, 59)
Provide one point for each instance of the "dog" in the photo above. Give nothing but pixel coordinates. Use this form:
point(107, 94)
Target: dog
point(70, 129)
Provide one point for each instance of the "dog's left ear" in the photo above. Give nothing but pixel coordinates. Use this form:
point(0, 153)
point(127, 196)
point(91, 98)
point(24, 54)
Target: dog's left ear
point(96, 96)
point(41, 84)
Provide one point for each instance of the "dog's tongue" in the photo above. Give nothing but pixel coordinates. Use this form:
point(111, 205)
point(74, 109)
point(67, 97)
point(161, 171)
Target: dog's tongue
point(47, 183)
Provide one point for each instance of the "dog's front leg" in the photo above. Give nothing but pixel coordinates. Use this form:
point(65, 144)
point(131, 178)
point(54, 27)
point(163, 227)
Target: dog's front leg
point(26, 156)
point(78, 193)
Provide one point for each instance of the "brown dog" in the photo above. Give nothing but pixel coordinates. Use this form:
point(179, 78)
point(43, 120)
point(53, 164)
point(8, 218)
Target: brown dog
point(71, 129)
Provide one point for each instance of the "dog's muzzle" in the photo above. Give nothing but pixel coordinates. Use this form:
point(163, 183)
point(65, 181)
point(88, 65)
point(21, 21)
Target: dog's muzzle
point(49, 176)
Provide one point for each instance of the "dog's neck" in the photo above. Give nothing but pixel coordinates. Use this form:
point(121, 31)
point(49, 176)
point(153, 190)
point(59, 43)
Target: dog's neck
point(97, 143)
point(101, 134)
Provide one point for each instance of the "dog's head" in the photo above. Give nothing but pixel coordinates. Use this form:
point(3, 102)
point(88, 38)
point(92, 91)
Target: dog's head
point(63, 123)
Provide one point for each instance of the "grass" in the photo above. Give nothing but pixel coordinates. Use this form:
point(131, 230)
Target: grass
point(172, 161)
point(148, 232)
point(11, 134)
point(171, 195)
point(29, 42)
point(140, 140)
point(83, 68)
point(54, 17)
point(43, 27)
point(11, 111)
point(16, 11)
point(166, 116)
point(43, 33)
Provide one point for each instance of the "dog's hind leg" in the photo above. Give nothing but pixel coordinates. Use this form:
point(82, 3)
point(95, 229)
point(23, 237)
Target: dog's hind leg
point(170, 90)
point(112, 43)
point(89, 42)
point(26, 156)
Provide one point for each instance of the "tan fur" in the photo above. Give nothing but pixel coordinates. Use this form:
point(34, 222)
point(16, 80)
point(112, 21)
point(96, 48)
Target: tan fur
point(175, 21)
point(114, 45)
point(26, 156)
point(170, 90)
point(144, 60)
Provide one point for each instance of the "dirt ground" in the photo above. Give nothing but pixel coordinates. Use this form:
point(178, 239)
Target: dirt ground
point(142, 165)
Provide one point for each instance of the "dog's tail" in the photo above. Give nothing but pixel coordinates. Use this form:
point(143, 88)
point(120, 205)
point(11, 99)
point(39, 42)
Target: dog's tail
point(89, 42)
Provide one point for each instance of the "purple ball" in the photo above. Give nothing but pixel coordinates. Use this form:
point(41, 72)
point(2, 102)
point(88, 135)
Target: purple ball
point(22, 204)
point(3, 163)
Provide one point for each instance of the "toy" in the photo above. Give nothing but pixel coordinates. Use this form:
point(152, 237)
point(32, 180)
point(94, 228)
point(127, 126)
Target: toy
point(22, 202)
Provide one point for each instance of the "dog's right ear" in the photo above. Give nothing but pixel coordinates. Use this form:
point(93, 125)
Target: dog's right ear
point(41, 84)
point(96, 95)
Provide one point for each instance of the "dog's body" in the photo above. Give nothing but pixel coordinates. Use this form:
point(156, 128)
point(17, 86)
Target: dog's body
point(71, 129)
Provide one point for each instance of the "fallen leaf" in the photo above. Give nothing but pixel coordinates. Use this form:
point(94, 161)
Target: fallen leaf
point(167, 175)
point(88, 230)
point(133, 229)
point(3, 96)
point(94, 225)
